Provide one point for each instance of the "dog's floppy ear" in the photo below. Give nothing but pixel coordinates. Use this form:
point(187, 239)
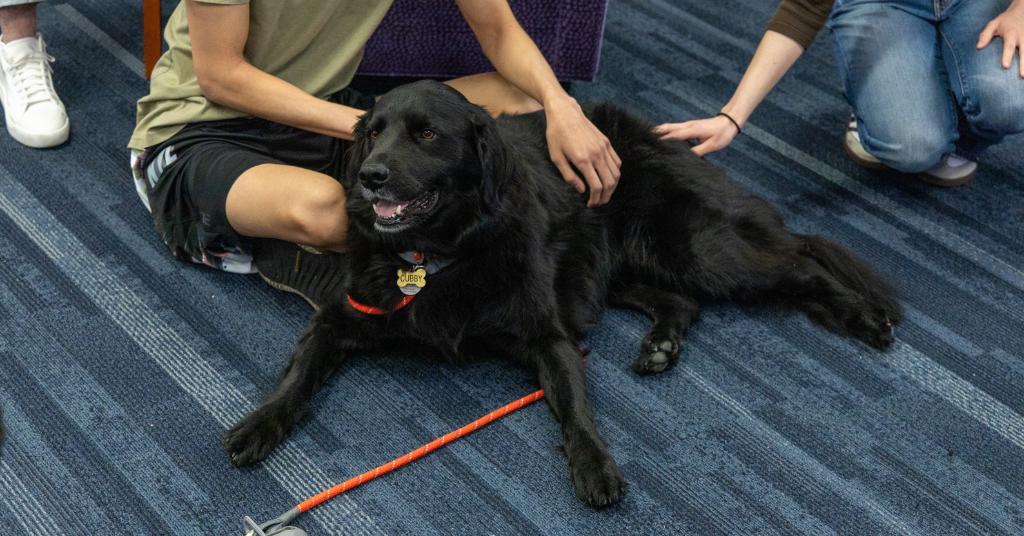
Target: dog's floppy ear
point(496, 160)
point(356, 153)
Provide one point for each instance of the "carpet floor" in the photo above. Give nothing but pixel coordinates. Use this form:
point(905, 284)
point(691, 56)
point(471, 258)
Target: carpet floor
point(120, 368)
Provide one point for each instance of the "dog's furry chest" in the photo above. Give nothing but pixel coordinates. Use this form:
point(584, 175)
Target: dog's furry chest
point(470, 309)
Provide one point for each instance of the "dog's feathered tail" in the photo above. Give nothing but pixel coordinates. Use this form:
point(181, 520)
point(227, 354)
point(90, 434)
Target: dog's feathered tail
point(854, 273)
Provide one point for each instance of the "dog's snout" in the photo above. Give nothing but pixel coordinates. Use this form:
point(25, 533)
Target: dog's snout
point(373, 174)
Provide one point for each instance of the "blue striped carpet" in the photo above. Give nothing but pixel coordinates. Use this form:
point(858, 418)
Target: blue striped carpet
point(120, 368)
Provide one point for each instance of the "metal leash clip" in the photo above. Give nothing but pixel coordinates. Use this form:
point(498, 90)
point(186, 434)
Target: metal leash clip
point(274, 527)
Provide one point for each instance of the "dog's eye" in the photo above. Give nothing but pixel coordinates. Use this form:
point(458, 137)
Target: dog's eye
point(428, 134)
point(372, 134)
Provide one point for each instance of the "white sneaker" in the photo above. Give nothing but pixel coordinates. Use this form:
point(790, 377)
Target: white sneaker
point(855, 149)
point(952, 170)
point(34, 113)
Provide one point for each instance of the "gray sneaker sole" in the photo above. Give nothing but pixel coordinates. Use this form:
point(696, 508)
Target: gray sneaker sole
point(286, 288)
point(947, 183)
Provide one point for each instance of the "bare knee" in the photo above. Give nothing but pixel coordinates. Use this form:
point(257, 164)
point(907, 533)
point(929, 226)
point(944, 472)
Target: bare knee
point(319, 218)
point(496, 94)
point(518, 102)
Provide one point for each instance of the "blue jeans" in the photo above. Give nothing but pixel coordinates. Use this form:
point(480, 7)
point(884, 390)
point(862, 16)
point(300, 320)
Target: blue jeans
point(911, 71)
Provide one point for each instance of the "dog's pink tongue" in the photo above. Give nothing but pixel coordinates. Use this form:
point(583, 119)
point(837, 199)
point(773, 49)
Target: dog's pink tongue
point(385, 209)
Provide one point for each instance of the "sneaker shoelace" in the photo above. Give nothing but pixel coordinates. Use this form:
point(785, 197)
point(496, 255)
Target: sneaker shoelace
point(30, 75)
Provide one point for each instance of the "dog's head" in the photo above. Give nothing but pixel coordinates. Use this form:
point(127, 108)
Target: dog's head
point(426, 165)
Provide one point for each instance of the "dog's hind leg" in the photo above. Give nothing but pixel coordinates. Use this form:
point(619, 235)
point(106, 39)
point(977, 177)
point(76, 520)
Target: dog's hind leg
point(835, 306)
point(595, 475)
point(318, 355)
point(854, 274)
point(672, 315)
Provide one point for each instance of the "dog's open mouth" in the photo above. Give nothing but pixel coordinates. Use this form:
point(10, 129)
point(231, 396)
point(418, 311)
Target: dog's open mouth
point(393, 216)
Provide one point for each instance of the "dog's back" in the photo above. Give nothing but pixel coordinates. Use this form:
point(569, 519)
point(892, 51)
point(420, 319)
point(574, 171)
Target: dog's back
point(653, 170)
point(666, 195)
point(678, 223)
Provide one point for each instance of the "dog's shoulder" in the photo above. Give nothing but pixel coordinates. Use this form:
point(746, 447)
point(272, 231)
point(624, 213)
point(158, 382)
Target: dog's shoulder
point(616, 121)
point(523, 128)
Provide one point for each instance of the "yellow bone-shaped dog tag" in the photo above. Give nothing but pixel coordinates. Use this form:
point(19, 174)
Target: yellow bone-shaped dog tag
point(411, 281)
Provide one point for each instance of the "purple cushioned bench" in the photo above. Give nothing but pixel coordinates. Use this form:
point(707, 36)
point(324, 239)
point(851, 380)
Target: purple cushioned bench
point(430, 39)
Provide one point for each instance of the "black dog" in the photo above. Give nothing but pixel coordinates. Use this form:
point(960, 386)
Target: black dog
point(516, 266)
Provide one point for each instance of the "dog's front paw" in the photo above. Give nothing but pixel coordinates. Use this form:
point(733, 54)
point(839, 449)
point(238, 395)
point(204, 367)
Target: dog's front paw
point(597, 479)
point(656, 355)
point(252, 439)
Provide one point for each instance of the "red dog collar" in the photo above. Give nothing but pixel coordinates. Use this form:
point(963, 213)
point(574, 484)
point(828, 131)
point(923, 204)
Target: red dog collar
point(410, 282)
point(371, 310)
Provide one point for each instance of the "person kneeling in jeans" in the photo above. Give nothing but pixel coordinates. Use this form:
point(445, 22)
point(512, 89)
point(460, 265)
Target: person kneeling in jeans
point(929, 89)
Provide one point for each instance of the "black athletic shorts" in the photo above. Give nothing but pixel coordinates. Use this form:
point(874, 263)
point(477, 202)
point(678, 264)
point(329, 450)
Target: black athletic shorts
point(185, 180)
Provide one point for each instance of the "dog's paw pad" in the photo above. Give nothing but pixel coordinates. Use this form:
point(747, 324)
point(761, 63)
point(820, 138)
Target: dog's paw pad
point(252, 439)
point(656, 356)
point(599, 483)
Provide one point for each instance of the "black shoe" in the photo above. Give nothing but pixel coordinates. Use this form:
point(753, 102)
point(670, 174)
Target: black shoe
point(316, 278)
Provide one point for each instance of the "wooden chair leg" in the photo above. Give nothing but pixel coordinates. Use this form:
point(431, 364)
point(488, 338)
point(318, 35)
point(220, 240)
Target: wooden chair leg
point(151, 47)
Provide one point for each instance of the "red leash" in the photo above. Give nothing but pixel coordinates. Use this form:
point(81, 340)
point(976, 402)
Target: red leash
point(279, 525)
point(414, 455)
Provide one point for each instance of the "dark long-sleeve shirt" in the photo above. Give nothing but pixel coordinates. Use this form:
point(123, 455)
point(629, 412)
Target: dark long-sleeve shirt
point(801, 20)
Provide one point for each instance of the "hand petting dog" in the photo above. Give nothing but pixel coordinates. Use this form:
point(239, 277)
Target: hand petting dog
point(573, 141)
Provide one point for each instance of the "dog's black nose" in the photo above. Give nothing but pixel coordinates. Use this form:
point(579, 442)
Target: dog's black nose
point(373, 174)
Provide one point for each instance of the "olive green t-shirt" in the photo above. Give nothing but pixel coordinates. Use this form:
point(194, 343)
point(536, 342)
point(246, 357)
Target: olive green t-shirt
point(314, 44)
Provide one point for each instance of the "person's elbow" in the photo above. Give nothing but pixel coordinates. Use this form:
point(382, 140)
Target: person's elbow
point(214, 87)
point(217, 82)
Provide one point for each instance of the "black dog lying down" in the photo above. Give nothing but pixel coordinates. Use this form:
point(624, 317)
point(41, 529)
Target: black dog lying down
point(513, 264)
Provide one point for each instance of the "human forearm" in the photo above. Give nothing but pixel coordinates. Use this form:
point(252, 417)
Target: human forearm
point(580, 151)
point(218, 34)
point(575, 145)
point(248, 89)
point(774, 57)
point(517, 58)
